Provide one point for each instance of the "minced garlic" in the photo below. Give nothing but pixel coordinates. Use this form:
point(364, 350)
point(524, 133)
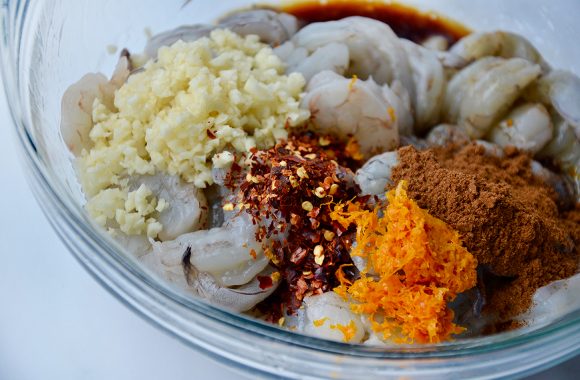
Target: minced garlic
point(186, 112)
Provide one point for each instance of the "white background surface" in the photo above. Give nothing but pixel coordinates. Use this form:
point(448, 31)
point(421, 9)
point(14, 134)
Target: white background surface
point(56, 322)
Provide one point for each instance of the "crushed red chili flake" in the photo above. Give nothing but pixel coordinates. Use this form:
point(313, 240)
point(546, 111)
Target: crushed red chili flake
point(265, 282)
point(289, 191)
point(210, 134)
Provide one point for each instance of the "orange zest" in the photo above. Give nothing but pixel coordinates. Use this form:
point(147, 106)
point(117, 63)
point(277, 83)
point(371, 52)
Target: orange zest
point(348, 331)
point(418, 266)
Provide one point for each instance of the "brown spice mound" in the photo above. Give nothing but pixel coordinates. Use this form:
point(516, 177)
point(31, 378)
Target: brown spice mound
point(508, 219)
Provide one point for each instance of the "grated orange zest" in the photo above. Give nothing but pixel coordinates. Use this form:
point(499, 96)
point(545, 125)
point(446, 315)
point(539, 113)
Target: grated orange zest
point(319, 322)
point(420, 266)
point(348, 331)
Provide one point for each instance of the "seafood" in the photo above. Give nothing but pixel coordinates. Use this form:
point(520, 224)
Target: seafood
point(225, 252)
point(562, 185)
point(77, 104)
point(355, 108)
point(430, 83)
point(561, 90)
point(210, 262)
point(528, 127)
point(333, 57)
point(187, 206)
point(272, 27)
point(137, 245)
point(173, 266)
point(445, 134)
point(383, 58)
point(554, 301)
point(436, 43)
point(497, 44)
point(482, 92)
point(374, 177)
point(324, 313)
point(565, 146)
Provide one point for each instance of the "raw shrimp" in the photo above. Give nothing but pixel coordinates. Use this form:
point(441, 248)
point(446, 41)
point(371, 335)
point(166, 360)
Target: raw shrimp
point(482, 92)
point(272, 27)
point(240, 299)
point(562, 185)
point(436, 43)
point(528, 127)
point(565, 146)
point(382, 58)
point(326, 313)
point(357, 108)
point(136, 245)
point(216, 260)
point(224, 250)
point(374, 177)
point(77, 104)
point(334, 57)
point(187, 33)
point(553, 302)
point(560, 90)
point(173, 266)
point(445, 134)
point(187, 208)
point(430, 83)
point(497, 44)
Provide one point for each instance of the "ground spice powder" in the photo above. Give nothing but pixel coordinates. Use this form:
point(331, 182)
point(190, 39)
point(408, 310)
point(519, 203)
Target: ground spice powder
point(508, 219)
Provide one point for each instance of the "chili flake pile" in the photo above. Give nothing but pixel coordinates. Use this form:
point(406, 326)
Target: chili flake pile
point(416, 266)
point(289, 191)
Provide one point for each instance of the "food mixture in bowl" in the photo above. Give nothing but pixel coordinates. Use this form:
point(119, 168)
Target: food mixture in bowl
point(357, 172)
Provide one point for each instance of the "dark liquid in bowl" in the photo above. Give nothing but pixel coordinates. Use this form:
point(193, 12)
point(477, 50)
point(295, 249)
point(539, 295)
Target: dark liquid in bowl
point(407, 22)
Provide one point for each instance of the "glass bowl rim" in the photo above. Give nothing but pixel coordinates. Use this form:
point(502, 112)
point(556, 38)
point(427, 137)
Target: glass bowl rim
point(63, 208)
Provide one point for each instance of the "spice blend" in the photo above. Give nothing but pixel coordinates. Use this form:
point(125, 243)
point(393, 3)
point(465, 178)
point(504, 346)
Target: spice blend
point(508, 219)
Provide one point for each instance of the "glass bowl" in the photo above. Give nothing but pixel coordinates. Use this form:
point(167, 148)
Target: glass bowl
point(47, 45)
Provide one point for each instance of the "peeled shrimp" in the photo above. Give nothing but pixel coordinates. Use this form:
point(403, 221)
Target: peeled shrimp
point(324, 312)
point(272, 27)
point(225, 252)
point(565, 146)
point(436, 43)
point(136, 245)
point(214, 261)
point(187, 33)
point(374, 49)
point(334, 57)
point(553, 302)
point(345, 108)
point(497, 44)
point(562, 185)
point(187, 208)
point(374, 177)
point(528, 127)
point(173, 266)
point(561, 90)
point(240, 299)
point(445, 134)
point(77, 104)
point(430, 83)
point(482, 92)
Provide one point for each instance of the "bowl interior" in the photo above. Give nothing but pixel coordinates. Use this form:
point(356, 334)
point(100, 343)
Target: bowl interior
point(70, 39)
